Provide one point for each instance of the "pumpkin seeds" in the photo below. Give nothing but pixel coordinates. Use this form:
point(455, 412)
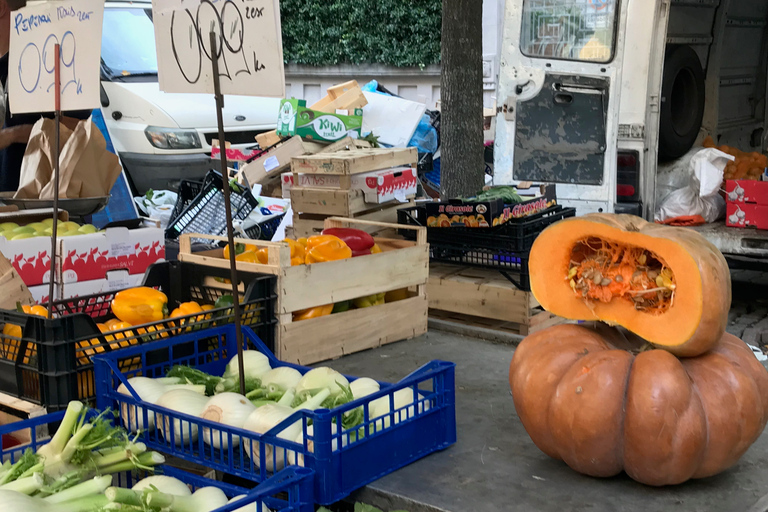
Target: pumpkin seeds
point(605, 282)
point(572, 272)
point(642, 259)
point(573, 285)
point(652, 275)
point(618, 279)
point(598, 278)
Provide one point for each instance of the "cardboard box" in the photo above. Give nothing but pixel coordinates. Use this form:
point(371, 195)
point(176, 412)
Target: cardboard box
point(40, 293)
point(296, 119)
point(91, 257)
point(747, 191)
point(116, 280)
point(271, 164)
point(483, 214)
point(743, 215)
point(378, 187)
point(31, 257)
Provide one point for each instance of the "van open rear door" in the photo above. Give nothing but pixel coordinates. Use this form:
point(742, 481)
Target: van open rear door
point(559, 98)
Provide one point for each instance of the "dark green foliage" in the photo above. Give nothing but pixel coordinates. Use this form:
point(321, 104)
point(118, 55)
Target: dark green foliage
point(393, 32)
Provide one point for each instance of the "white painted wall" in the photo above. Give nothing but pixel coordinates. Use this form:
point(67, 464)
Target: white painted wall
point(310, 83)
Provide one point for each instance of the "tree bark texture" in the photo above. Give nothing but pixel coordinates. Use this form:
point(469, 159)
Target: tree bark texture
point(462, 161)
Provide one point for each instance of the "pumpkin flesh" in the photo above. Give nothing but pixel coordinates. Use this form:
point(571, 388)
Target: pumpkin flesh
point(602, 405)
point(673, 290)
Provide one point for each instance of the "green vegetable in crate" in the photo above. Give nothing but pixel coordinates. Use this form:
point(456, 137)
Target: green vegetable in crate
point(341, 307)
point(223, 317)
point(373, 300)
point(507, 193)
point(139, 306)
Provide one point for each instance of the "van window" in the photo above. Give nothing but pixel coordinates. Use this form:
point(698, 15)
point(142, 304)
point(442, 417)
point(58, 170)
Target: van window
point(128, 42)
point(582, 30)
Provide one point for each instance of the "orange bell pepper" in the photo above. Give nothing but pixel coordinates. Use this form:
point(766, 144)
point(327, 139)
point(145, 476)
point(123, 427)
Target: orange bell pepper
point(298, 252)
point(302, 241)
point(239, 249)
point(331, 250)
point(375, 249)
point(311, 313)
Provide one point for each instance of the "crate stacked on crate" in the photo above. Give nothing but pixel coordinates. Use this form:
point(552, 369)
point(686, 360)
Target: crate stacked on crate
point(290, 490)
point(365, 184)
point(403, 264)
point(420, 419)
point(48, 361)
point(475, 266)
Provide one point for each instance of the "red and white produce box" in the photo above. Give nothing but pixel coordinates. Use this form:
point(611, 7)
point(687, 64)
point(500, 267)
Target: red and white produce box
point(31, 257)
point(116, 280)
point(746, 191)
point(379, 187)
point(91, 257)
point(743, 215)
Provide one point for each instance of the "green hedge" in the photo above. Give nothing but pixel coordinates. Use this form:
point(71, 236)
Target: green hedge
point(394, 32)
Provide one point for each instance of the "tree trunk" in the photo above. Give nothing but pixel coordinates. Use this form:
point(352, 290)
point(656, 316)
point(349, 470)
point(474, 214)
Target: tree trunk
point(462, 161)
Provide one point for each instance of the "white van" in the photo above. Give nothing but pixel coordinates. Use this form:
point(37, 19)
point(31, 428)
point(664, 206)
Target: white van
point(163, 138)
point(598, 95)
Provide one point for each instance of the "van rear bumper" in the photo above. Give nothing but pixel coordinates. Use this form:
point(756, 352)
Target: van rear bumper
point(163, 172)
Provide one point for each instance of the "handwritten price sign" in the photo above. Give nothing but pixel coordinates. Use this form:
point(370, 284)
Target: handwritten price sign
point(248, 46)
point(35, 30)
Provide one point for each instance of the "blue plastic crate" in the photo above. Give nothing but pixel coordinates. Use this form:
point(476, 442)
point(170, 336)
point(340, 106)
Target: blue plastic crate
point(293, 484)
point(343, 460)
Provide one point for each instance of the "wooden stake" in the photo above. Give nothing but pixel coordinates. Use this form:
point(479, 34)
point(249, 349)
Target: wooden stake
point(228, 208)
point(57, 139)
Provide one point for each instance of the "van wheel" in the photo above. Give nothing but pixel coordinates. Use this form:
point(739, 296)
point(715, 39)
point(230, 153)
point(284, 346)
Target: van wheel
point(682, 102)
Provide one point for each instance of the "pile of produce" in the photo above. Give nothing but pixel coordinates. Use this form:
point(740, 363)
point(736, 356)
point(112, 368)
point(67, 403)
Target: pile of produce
point(665, 397)
point(72, 472)
point(747, 166)
point(272, 396)
point(12, 231)
point(333, 244)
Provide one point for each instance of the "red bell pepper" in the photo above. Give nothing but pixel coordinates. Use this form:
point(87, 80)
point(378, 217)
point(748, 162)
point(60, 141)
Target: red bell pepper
point(359, 241)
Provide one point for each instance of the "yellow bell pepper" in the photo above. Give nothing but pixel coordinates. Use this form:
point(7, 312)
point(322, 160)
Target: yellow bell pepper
point(330, 250)
point(370, 301)
point(302, 241)
point(311, 313)
point(239, 249)
point(258, 256)
point(396, 295)
point(375, 249)
point(13, 342)
point(316, 240)
point(298, 252)
point(139, 306)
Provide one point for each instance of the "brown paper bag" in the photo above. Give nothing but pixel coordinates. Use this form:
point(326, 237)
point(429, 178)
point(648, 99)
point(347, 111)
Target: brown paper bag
point(86, 169)
point(38, 163)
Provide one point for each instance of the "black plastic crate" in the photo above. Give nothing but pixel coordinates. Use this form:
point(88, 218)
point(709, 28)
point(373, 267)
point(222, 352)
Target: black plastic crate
point(188, 191)
point(206, 214)
point(517, 235)
point(50, 363)
point(512, 265)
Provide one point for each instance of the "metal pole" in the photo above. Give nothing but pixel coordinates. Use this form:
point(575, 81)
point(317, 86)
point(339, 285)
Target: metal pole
point(228, 208)
point(57, 142)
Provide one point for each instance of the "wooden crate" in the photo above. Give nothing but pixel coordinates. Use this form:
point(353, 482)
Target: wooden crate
point(402, 264)
point(484, 298)
point(354, 162)
point(308, 224)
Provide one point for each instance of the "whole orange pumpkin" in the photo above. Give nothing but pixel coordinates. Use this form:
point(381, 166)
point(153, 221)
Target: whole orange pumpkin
point(603, 403)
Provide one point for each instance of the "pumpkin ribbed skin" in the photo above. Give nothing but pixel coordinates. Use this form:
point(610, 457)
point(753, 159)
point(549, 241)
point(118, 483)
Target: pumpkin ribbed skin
point(662, 420)
point(699, 313)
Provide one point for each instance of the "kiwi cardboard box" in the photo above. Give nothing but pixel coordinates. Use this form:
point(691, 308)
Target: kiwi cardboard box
point(296, 119)
point(91, 257)
point(31, 257)
point(483, 214)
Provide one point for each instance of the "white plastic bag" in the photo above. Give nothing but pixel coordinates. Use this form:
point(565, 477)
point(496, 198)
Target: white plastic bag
point(701, 195)
point(158, 204)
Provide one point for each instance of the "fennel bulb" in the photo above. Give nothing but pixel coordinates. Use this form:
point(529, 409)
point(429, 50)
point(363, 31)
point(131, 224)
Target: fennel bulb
point(250, 507)
point(322, 378)
point(268, 416)
point(149, 390)
point(282, 378)
point(205, 499)
point(165, 484)
point(184, 401)
point(228, 409)
point(402, 398)
point(363, 387)
point(311, 442)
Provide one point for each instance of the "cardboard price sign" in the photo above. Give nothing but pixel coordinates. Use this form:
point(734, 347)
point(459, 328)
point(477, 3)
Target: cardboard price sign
point(35, 30)
point(249, 46)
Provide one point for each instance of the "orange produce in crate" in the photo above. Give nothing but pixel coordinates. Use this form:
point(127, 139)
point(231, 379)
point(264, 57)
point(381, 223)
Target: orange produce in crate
point(10, 345)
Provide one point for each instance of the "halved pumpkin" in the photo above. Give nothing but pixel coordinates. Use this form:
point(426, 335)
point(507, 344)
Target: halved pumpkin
point(668, 285)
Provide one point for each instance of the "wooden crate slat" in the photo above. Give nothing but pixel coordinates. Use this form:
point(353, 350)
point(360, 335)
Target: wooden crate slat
point(353, 331)
point(354, 161)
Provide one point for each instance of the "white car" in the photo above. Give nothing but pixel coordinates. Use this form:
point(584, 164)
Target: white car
point(163, 138)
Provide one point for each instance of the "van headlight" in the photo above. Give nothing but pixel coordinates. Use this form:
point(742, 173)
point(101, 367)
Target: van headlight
point(169, 138)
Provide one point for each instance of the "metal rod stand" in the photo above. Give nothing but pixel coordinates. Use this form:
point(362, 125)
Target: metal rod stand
point(228, 208)
point(56, 151)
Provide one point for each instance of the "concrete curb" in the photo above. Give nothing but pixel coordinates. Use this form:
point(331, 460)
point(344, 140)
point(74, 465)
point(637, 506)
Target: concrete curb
point(390, 501)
